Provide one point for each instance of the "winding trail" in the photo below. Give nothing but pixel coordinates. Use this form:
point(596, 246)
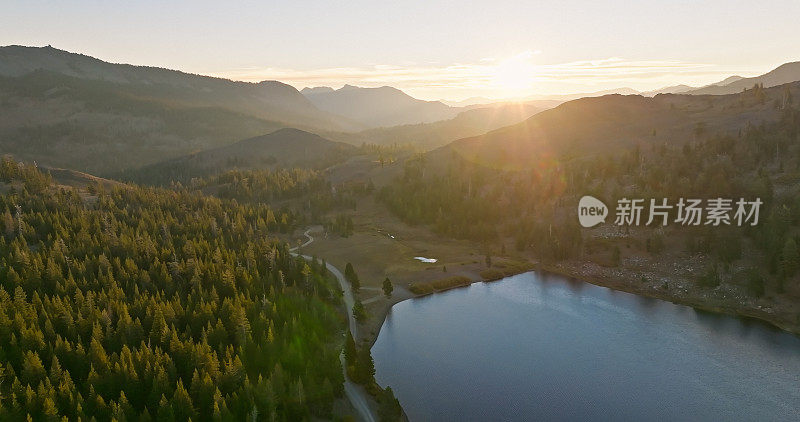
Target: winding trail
point(355, 393)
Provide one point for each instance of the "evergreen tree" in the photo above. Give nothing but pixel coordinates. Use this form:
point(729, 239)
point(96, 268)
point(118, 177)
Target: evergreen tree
point(365, 368)
point(388, 406)
point(790, 257)
point(359, 313)
point(350, 352)
point(352, 277)
point(142, 292)
point(387, 287)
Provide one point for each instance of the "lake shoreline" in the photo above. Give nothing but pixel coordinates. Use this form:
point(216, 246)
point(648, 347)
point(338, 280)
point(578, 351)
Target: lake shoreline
point(549, 333)
point(374, 324)
point(731, 309)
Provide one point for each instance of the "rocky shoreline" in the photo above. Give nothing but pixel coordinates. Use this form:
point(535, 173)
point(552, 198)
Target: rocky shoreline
point(379, 313)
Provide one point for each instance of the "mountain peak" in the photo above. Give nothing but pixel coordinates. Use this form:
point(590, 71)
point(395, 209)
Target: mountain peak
point(729, 80)
point(378, 106)
point(783, 74)
point(792, 65)
point(316, 90)
point(789, 70)
point(290, 131)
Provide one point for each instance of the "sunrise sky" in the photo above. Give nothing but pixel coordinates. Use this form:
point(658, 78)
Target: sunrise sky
point(430, 49)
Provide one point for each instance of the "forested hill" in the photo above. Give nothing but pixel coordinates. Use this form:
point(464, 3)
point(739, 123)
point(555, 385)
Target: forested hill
point(284, 148)
point(143, 304)
point(520, 187)
point(589, 126)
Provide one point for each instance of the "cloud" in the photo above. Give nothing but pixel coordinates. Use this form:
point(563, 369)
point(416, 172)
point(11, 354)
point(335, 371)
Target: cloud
point(515, 76)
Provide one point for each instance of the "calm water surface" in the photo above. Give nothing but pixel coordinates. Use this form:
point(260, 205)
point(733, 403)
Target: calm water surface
point(543, 347)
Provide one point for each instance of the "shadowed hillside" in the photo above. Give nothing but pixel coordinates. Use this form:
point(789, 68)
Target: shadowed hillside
point(426, 136)
point(96, 126)
point(284, 148)
point(590, 125)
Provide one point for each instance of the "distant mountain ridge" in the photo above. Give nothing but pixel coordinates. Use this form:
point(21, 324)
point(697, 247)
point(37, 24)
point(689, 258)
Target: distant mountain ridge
point(785, 73)
point(270, 100)
point(69, 110)
point(675, 89)
point(378, 107)
point(729, 80)
point(583, 127)
point(426, 136)
point(73, 111)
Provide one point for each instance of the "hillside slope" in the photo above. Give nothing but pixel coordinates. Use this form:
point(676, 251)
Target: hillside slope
point(100, 128)
point(68, 110)
point(586, 126)
point(785, 73)
point(283, 148)
point(427, 136)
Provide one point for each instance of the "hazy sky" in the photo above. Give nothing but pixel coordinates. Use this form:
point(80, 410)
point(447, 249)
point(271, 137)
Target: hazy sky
point(431, 49)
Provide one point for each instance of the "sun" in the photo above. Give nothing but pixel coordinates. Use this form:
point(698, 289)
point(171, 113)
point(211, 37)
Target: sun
point(514, 75)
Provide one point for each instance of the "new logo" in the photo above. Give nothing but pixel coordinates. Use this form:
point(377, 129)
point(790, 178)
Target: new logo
point(591, 211)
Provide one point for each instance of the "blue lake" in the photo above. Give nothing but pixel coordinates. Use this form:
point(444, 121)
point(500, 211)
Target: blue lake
point(543, 347)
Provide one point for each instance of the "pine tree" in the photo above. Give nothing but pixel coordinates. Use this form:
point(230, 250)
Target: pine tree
point(352, 277)
point(350, 353)
point(387, 287)
point(182, 404)
point(32, 369)
point(388, 406)
point(790, 257)
point(365, 368)
point(165, 412)
point(359, 313)
point(148, 291)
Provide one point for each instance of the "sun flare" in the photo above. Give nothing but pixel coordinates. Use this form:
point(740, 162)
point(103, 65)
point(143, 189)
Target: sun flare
point(514, 74)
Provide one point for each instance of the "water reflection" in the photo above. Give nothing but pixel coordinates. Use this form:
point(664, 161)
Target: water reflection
point(537, 346)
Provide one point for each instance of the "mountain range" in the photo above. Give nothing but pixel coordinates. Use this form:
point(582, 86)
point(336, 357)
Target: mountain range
point(426, 136)
point(584, 127)
point(68, 110)
point(378, 107)
point(785, 73)
point(270, 100)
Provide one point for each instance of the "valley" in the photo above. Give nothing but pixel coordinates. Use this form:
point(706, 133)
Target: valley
point(178, 246)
